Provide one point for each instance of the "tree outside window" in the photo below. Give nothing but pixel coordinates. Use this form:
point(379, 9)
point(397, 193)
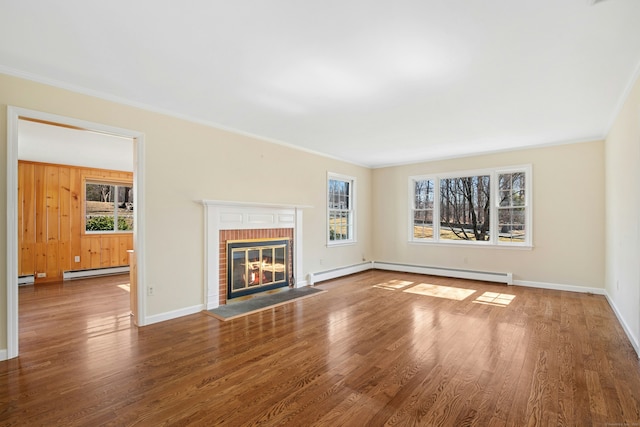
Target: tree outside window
point(464, 208)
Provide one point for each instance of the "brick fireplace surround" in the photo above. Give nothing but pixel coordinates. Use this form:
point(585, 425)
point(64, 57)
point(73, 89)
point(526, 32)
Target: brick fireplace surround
point(238, 220)
point(254, 234)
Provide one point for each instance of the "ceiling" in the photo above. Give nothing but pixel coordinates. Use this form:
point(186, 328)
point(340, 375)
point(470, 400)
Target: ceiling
point(65, 145)
point(371, 82)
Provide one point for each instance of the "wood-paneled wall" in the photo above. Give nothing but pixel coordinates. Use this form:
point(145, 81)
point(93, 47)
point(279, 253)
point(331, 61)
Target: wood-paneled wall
point(51, 222)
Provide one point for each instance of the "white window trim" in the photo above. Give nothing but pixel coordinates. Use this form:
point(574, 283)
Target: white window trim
point(493, 239)
point(352, 210)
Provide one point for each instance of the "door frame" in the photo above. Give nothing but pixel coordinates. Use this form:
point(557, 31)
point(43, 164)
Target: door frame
point(14, 114)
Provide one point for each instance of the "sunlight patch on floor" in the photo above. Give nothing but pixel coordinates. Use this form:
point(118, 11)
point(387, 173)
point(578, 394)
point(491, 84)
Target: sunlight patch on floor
point(125, 286)
point(393, 284)
point(439, 291)
point(495, 298)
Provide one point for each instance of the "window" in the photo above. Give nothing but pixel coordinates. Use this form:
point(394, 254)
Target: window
point(479, 207)
point(340, 209)
point(465, 208)
point(108, 207)
point(512, 207)
point(423, 211)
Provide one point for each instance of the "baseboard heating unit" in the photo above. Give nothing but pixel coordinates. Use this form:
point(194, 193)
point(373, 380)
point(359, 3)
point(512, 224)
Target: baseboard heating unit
point(337, 272)
point(457, 273)
point(77, 274)
point(25, 280)
point(446, 272)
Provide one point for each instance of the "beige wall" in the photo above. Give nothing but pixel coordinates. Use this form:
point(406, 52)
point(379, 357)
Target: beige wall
point(568, 217)
point(186, 162)
point(622, 149)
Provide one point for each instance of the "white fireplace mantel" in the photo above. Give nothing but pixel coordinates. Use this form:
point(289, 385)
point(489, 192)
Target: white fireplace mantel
point(227, 215)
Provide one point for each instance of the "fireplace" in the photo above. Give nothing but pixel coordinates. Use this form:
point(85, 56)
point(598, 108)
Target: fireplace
point(229, 222)
point(256, 266)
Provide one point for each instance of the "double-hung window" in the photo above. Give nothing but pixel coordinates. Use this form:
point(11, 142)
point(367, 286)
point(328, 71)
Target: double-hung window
point(512, 207)
point(487, 207)
point(340, 209)
point(108, 207)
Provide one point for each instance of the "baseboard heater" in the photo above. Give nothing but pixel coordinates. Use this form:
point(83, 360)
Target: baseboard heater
point(447, 272)
point(26, 280)
point(338, 272)
point(78, 274)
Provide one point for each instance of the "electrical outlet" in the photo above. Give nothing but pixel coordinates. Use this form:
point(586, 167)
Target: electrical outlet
point(77, 258)
point(150, 291)
point(41, 275)
point(321, 261)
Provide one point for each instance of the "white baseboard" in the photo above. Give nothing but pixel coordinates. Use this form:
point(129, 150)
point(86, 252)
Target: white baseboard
point(633, 339)
point(559, 287)
point(157, 318)
point(3, 354)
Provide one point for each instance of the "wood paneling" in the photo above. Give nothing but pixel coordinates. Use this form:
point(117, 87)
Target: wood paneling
point(364, 353)
point(50, 222)
point(26, 218)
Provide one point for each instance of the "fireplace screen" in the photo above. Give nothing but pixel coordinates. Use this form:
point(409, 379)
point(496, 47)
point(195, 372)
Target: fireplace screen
point(256, 266)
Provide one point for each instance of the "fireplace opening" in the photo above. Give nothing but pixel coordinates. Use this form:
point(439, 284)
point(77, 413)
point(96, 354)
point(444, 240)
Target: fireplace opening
point(256, 266)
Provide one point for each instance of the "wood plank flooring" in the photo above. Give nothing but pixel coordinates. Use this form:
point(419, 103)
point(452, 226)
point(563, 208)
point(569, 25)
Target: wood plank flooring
point(379, 348)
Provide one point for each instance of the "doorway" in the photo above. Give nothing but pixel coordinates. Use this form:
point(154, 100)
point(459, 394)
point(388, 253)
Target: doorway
point(14, 116)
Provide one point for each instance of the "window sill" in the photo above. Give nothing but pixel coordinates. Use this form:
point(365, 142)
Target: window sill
point(341, 243)
point(480, 245)
point(107, 233)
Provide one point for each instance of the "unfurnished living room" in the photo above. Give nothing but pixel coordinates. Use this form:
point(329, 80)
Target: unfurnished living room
point(350, 213)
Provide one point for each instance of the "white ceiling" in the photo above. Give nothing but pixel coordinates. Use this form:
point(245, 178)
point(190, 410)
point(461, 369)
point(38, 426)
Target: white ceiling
point(372, 82)
point(41, 142)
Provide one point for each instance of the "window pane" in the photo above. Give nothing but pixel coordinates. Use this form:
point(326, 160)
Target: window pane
point(125, 208)
point(333, 224)
point(345, 195)
point(99, 207)
point(423, 193)
point(505, 197)
point(339, 225)
point(423, 224)
point(512, 189)
point(464, 208)
point(511, 224)
point(339, 194)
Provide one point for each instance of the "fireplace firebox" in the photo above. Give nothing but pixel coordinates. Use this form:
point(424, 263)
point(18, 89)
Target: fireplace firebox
point(256, 266)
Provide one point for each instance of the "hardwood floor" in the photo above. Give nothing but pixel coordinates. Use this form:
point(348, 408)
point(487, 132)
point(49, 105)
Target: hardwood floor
point(367, 352)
